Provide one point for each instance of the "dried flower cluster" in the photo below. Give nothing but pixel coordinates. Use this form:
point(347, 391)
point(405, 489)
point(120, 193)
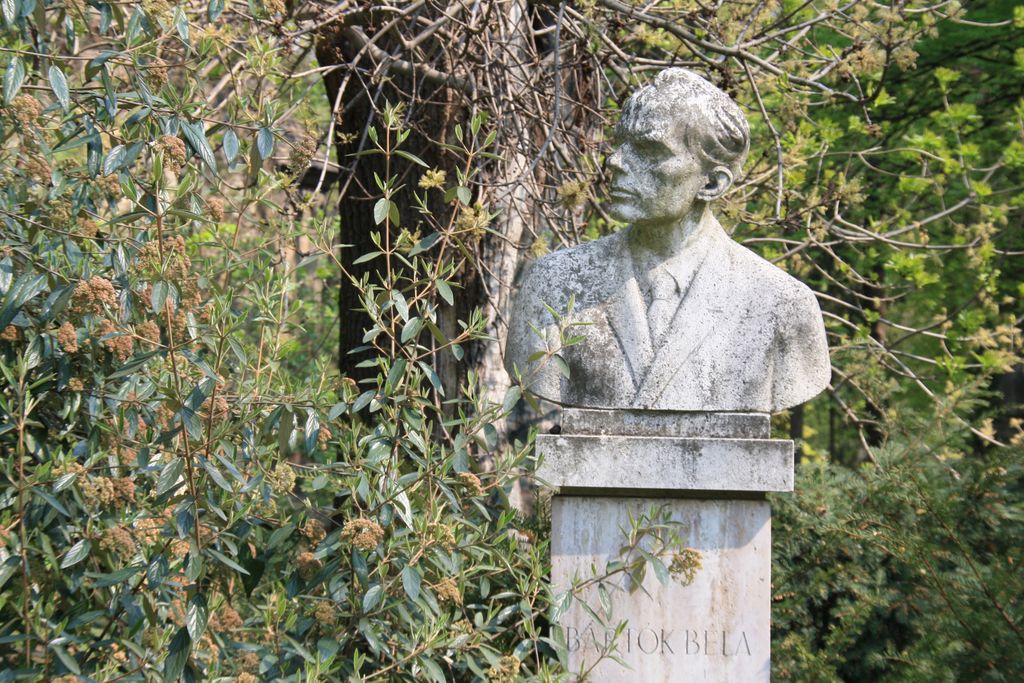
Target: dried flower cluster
point(302, 154)
point(471, 482)
point(120, 344)
point(308, 565)
point(26, 109)
point(156, 72)
point(433, 179)
point(115, 492)
point(37, 167)
point(448, 591)
point(67, 338)
point(505, 671)
point(363, 533)
point(685, 565)
point(118, 540)
point(174, 151)
point(86, 228)
point(442, 534)
point(323, 437)
point(149, 331)
point(221, 409)
point(473, 220)
point(573, 194)
point(215, 207)
point(226, 618)
point(326, 613)
point(282, 478)
point(93, 295)
point(149, 530)
point(314, 530)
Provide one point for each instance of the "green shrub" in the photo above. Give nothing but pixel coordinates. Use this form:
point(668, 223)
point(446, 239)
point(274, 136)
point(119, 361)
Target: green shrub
point(189, 489)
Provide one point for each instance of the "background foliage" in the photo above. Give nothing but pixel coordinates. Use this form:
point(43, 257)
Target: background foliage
point(215, 468)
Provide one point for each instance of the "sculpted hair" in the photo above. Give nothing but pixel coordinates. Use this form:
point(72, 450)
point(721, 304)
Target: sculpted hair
point(712, 125)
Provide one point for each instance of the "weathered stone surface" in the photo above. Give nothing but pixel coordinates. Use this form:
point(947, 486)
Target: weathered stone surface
point(613, 464)
point(679, 316)
point(665, 423)
point(716, 629)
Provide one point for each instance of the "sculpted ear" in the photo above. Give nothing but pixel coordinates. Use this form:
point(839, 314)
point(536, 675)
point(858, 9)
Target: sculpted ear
point(718, 181)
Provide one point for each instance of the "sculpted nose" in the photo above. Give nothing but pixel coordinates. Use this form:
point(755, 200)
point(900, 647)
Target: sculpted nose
point(614, 162)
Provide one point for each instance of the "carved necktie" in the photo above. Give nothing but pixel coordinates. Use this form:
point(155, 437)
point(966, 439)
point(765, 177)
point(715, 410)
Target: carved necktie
point(663, 295)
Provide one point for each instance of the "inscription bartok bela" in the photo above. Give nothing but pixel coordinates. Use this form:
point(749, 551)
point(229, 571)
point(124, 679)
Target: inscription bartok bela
point(660, 641)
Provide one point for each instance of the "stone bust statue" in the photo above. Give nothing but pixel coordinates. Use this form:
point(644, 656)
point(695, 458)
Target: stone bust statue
point(678, 315)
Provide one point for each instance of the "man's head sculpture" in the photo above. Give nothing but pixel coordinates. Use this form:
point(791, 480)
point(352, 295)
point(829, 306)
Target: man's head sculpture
point(680, 136)
point(678, 316)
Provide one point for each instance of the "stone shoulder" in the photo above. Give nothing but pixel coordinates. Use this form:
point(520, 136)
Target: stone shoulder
point(553, 277)
point(774, 286)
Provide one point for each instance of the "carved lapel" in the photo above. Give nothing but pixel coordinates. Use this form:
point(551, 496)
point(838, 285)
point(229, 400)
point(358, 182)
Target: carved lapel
point(700, 313)
point(627, 318)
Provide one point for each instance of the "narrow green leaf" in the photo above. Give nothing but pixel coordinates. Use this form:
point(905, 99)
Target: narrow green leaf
point(411, 157)
point(195, 135)
point(169, 476)
point(51, 501)
point(435, 671)
point(490, 436)
point(337, 410)
point(660, 571)
point(395, 374)
point(181, 23)
point(14, 76)
point(59, 85)
point(560, 606)
point(114, 160)
point(24, 289)
point(512, 397)
point(400, 304)
point(66, 659)
point(606, 599)
point(362, 401)
point(445, 290)
point(196, 616)
point(177, 656)
point(312, 431)
point(411, 328)
point(214, 10)
point(381, 210)
point(367, 257)
point(264, 142)
point(230, 145)
point(78, 552)
point(224, 559)
point(215, 474)
point(563, 366)
point(279, 535)
point(114, 578)
point(425, 243)
point(411, 581)
point(372, 598)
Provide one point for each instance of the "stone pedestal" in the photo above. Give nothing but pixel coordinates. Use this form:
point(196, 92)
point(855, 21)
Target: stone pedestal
point(707, 472)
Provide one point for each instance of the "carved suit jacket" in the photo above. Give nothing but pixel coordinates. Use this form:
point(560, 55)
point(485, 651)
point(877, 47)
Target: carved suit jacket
point(746, 336)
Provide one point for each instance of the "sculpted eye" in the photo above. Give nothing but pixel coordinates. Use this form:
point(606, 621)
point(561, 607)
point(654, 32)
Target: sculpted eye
point(652, 148)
